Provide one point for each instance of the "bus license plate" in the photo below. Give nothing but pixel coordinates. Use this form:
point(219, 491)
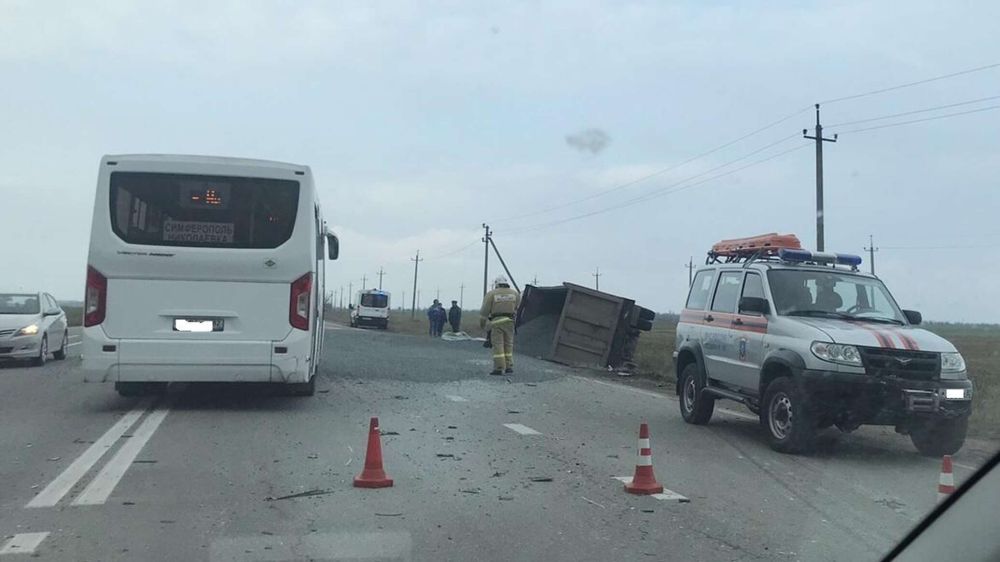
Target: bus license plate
point(198, 325)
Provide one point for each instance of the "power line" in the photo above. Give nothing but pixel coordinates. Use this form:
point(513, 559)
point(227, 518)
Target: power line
point(910, 84)
point(662, 171)
point(910, 122)
point(673, 188)
point(914, 112)
point(453, 252)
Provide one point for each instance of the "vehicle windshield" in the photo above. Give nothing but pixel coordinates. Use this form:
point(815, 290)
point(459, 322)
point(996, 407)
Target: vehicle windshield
point(374, 300)
point(19, 304)
point(809, 292)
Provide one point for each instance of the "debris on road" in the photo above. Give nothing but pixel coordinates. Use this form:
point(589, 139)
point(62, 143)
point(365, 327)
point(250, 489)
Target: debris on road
point(513, 411)
point(530, 384)
point(505, 498)
point(471, 491)
point(592, 502)
point(306, 494)
point(53, 459)
point(146, 461)
point(541, 479)
point(498, 474)
point(452, 427)
point(388, 514)
point(401, 397)
point(312, 456)
point(390, 433)
point(445, 456)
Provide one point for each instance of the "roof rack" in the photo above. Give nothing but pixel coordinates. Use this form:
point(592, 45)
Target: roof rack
point(774, 247)
point(754, 248)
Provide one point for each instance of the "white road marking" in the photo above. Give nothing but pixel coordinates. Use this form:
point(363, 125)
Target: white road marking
point(63, 483)
point(652, 394)
point(664, 495)
point(23, 543)
point(454, 398)
point(72, 344)
point(522, 429)
point(965, 466)
point(72, 336)
point(104, 483)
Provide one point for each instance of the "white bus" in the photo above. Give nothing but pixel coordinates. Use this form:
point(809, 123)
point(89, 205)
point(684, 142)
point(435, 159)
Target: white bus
point(205, 269)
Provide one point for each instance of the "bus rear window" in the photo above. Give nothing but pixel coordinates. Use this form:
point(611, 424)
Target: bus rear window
point(374, 301)
point(202, 211)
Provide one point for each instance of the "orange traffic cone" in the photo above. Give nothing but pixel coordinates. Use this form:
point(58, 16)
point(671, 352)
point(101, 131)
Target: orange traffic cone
point(373, 476)
point(946, 481)
point(644, 481)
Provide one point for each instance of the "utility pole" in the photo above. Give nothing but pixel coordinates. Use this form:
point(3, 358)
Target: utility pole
point(402, 301)
point(597, 279)
point(350, 291)
point(381, 272)
point(364, 281)
point(871, 249)
point(486, 257)
point(504, 265)
point(438, 293)
point(461, 295)
point(690, 268)
point(416, 264)
point(341, 297)
point(819, 177)
point(535, 280)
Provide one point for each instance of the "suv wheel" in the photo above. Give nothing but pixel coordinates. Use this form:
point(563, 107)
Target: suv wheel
point(938, 437)
point(786, 418)
point(696, 405)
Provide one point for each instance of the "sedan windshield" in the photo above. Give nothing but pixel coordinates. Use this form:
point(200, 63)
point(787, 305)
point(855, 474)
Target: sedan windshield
point(18, 304)
point(832, 294)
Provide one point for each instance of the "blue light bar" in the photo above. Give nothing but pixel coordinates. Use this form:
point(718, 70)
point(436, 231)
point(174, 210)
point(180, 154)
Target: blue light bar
point(818, 257)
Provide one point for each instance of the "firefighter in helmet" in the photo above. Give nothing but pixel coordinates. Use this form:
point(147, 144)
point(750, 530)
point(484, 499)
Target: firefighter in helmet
point(499, 306)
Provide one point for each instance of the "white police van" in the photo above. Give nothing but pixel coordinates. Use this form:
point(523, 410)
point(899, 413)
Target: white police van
point(205, 269)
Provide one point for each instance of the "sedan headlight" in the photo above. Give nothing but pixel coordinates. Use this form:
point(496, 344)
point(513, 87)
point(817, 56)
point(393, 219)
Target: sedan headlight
point(837, 353)
point(952, 363)
point(28, 330)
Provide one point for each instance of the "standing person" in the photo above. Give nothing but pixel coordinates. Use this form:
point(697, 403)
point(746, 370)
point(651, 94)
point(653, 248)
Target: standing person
point(499, 306)
point(432, 317)
point(441, 318)
point(455, 316)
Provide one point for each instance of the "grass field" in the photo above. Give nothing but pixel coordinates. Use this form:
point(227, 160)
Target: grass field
point(979, 344)
point(401, 322)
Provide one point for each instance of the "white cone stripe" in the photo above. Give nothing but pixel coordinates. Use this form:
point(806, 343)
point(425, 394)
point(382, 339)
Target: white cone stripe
point(946, 480)
point(644, 461)
point(644, 443)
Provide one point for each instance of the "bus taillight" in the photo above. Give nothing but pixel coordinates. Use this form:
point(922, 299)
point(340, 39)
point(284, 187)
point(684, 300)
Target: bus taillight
point(95, 298)
point(298, 304)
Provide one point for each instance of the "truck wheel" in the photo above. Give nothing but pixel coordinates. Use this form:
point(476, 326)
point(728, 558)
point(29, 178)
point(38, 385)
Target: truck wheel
point(302, 388)
point(131, 389)
point(785, 415)
point(938, 437)
point(696, 405)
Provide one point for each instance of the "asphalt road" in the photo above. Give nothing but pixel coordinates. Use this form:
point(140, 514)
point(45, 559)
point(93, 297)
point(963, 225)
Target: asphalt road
point(485, 468)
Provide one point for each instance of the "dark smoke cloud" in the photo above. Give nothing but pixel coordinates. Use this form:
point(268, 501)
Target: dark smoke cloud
point(590, 140)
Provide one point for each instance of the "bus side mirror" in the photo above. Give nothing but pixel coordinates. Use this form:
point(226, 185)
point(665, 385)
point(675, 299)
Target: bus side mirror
point(913, 317)
point(754, 305)
point(332, 246)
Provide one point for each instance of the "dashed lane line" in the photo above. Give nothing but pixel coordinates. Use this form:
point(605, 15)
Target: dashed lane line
point(650, 393)
point(100, 488)
point(74, 343)
point(664, 495)
point(23, 543)
point(455, 398)
point(63, 483)
point(522, 429)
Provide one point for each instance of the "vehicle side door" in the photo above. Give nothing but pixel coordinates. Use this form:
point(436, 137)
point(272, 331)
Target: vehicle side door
point(53, 321)
point(689, 326)
point(718, 338)
point(749, 329)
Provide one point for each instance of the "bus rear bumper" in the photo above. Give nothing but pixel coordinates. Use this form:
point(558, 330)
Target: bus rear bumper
point(127, 360)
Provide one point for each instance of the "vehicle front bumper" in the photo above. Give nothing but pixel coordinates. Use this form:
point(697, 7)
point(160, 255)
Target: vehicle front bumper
point(887, 400)
point(21, 347)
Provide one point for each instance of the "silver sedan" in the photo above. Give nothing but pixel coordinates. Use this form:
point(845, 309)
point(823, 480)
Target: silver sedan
point(32, 325)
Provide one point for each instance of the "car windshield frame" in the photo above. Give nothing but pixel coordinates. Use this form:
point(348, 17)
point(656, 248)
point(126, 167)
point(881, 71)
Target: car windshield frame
point(813, 310)
point(27, 299)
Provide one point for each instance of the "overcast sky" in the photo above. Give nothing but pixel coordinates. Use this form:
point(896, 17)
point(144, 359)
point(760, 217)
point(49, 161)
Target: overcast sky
point(422, 120)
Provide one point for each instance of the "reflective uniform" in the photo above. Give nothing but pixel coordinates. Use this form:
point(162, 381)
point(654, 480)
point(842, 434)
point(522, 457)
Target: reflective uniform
point(499, 306)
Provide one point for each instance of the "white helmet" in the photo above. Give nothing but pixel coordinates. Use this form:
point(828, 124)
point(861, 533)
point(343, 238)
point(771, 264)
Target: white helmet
point(500, 280)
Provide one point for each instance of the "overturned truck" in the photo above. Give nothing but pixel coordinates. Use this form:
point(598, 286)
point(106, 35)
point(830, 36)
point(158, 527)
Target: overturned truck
point(574, 325)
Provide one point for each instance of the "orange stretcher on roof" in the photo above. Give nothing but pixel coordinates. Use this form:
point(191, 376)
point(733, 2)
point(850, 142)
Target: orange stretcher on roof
point(767, 243)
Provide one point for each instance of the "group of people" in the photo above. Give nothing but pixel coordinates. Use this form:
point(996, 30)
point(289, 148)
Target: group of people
point(437, 316)
point(496, 316)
